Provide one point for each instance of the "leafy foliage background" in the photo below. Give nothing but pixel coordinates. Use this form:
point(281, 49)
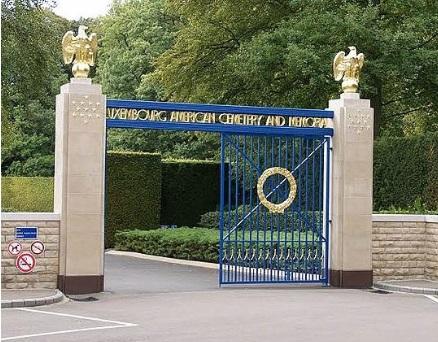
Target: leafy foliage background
point(252, 52)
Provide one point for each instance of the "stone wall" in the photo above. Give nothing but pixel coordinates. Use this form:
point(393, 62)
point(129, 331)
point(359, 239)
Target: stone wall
point(431, 246)
point(46, 268)
point(405, 247)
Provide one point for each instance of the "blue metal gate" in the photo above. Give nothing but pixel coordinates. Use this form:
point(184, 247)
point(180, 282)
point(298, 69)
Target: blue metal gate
point(274, 209)
point(274, 183)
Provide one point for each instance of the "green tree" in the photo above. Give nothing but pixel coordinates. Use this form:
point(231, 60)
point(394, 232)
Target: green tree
point(31, 72)
point(171, 144)
point(135, 33)
point(260, 52)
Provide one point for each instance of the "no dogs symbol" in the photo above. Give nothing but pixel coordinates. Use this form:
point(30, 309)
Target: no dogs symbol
point(37, 247)
point(25, 262)
point(14, 247)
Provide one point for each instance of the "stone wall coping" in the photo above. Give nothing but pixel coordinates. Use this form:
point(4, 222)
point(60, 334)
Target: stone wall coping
point(432, 218)
point(23, 216)
point(404, 218)
point(27, 216)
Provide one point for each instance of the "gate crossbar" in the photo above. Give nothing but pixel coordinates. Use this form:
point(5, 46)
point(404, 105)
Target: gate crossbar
point(245, 156)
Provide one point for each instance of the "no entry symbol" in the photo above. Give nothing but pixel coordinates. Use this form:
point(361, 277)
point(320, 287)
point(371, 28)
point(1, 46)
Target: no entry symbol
point(14, 247)
point(37, 247)
point(25, 262)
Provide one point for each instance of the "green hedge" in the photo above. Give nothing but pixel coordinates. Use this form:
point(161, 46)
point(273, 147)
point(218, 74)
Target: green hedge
point(406, 173)
point(182, 243)
point(133, 192)
point(189, 189)
point(303, 220)
point(33, 194)
point(202, 244)
point(405, 179)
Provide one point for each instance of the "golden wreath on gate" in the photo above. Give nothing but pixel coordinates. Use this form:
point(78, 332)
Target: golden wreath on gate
point(277, 207)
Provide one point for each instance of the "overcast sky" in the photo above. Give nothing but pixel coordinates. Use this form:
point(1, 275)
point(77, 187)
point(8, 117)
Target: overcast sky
point(74, 9)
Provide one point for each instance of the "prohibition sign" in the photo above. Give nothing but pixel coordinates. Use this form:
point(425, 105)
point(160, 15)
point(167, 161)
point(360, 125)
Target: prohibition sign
point(37, 247)
point(25, 262)
point(14, 247)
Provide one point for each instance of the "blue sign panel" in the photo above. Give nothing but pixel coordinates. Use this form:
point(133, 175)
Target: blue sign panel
point(218, 118)
point(26, 232)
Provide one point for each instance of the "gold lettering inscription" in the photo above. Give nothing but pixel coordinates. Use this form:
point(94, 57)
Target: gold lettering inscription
point(214, 118)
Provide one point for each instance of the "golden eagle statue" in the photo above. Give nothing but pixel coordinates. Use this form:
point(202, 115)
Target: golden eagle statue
point(348, 68)
point(81, 50)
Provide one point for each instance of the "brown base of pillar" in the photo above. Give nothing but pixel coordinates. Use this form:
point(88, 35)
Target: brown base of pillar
point(351, 279)
point(80, 284)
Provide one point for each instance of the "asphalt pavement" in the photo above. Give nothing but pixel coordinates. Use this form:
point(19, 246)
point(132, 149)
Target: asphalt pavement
point(133, 276)
point(155, 301)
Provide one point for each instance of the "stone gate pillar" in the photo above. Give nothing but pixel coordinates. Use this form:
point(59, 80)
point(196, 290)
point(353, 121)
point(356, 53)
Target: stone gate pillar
point(352, 189)
point(79, 185)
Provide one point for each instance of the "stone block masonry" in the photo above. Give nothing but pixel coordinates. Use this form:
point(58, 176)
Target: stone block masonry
point(46, 270)
point(431, 247)
point(405, 247)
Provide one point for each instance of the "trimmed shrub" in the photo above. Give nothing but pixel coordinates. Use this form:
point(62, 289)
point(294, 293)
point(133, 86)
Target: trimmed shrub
point(405, 180)
point(182, 243)
point(406, 172)
point(189, 189)
point(133, 192)
point(33, 194)
point(202, 244)
point(431, 190)
point(300, 221)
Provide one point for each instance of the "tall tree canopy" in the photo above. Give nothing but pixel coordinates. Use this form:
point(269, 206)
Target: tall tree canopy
point(254, 52)
point(31, 75)
point(280, 53)
point(135, 33)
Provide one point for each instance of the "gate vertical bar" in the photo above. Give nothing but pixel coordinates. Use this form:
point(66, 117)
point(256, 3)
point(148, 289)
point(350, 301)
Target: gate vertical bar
point(243, 248)
point(230, 165)
point(321, 202)
point(306, 208)
point(327, 209)
point(312, 263)
point(258, 218)
point(251, 217)
point(278, 248)
point(294, 213)
point(271, 218)
point(221, 208)
point(285, 223)
point(236, 212)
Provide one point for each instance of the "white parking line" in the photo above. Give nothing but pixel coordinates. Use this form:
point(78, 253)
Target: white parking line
point(118, 325)
point(76, 316)
point(435, 299)
point(64, 332)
